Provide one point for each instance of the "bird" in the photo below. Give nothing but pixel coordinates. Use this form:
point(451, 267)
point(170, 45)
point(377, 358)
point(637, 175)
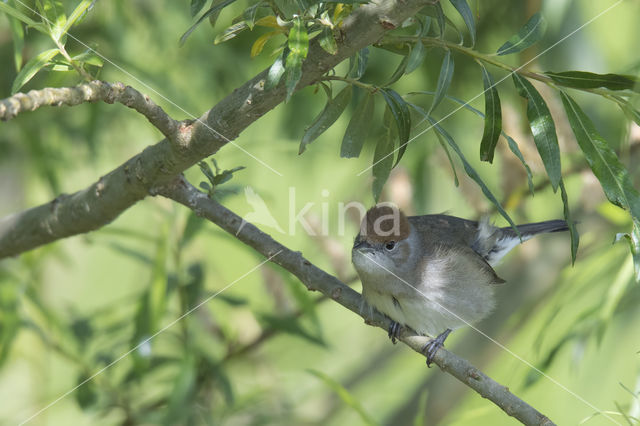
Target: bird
point(433, 273)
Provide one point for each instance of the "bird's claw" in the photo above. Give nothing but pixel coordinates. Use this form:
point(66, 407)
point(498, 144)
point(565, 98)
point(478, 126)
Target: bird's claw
point(433, 345)
point(394, 331)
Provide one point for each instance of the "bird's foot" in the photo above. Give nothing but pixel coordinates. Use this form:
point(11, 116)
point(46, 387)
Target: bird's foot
point(433, 345)
point(394, 331)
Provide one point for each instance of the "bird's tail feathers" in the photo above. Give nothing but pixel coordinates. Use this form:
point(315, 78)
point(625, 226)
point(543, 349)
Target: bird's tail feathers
point(531, 229)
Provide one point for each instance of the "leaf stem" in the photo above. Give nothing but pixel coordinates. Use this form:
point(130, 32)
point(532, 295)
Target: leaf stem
point(370, 87)
point(85, 75)
point(489, 59)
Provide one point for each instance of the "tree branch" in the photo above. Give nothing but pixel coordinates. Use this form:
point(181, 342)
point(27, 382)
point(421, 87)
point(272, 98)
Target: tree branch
point(100, 203)
point(90, 92)
point(316, 279)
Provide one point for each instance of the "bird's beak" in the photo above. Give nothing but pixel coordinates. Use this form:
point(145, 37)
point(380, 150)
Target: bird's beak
point(362, 246)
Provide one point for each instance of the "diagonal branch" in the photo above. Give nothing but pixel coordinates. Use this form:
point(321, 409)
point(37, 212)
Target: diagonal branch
point(316, 279)
point(103, 201)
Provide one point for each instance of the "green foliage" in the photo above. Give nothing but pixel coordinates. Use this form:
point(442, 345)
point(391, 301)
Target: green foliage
point(589, 80)
point(531, 33)
point(542, 128)
point(402, 118)
point(55, 23)
point(383, 154)
point(331, 112)
point(298, 44)
point(358, 128)
point(215, 178)
point(493, 118)
point(465, 11)
point(444, 80)
point(69, 310)
point(471, 172)
point(345, 396)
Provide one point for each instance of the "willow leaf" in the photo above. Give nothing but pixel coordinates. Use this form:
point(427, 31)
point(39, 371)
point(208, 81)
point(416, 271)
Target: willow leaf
point(542, 128)
point(528, 35)
point(492, 118)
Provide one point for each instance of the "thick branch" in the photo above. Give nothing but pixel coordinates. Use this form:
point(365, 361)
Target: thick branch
point(90, 92)
point(316, 279)
point(103, 201)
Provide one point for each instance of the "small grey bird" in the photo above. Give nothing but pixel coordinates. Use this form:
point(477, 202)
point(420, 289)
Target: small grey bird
point(433, 273)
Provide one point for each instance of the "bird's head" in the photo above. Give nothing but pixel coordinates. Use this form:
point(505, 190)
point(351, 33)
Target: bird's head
point(383, 240)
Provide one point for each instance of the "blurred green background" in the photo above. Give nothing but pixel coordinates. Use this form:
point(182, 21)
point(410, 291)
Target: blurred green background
point(266, 351)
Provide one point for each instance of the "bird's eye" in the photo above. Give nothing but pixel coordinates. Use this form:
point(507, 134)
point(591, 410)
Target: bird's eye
point(390, 245)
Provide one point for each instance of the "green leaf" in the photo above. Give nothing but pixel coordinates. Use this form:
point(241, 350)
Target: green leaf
point(86, 394)
point(225, 175)
point(528, 35)
point(345, 396)
point(492, 118)
point(16, 13)
point(192, 227)
point(542, 128)
point(10, 321)
point(183, 392)
point(89, 57)
point(400, 110)
point(573, 231)
point(617, 289)
point(17, 34)
point(78, 13)
point(159, 279)
point(276, 71)
point(631, 113)
point(230, 32)
point(589, 80)
point(444, 146)
point(415, 57)
point(399, 72)
point(358, 63)
point(52, 12)
point(298, 44)
point(249, 14)
point(196, 6)
point(331, 112)
point(327, 41)
point(441, 18)
point(465, 11)
point(419, 51)
point(215, 8)
point(513, 145)
point(602, 159)
point(358, 128)
point(291, 326)
point(421, 411)
point(471, 172)
point(383, 154)
point(633, 238)
point(32, 67)
point(444, 80)
point(304, 301)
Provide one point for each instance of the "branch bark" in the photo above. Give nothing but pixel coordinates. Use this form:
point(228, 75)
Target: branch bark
point(316, 279)
point(100, 203)
point(90, 92)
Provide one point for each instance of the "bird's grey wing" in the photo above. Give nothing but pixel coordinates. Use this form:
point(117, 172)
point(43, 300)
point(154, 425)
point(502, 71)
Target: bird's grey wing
point(446, 229)
point(479, 263)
